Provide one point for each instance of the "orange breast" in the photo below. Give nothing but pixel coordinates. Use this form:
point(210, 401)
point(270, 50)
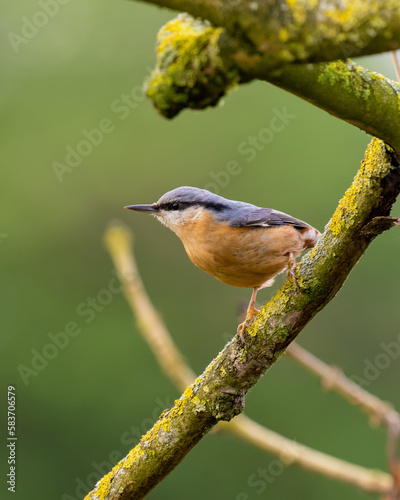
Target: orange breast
point(239, 256)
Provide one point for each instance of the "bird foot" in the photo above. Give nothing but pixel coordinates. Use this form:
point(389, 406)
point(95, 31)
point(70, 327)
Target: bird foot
point(292, 264)
point(251, 314)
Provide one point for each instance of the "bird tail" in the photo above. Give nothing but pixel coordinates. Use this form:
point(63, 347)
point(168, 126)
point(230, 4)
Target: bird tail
point(310, 237)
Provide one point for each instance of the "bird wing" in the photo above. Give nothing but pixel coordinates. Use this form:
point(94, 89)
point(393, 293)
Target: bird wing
point(267, 217)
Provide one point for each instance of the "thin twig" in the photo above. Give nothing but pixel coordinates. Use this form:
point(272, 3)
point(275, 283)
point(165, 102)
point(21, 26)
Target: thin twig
point(292, 453)
point(380, 412)
point(394, 462)
point(119, 243)
point(396, 65)
point(334, 379)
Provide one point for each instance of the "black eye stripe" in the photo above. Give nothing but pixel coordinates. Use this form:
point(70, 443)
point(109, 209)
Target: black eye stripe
point(181, 205)
point(175, 205)
point(218, 207)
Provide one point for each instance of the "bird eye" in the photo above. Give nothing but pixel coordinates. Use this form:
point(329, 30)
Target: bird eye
point(175, 205)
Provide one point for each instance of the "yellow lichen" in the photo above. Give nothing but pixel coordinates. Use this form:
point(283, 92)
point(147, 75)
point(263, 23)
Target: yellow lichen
point(183, 401)
point(104, 485)
point(199, 405)
point(279, 301)
point(133, 457)
point(353, 12)
point(281, 298)
point(165, 425)
point(164, 413)
point(311, 253)
point(300, 9)
point(147, 436)
point(348, 206)
point(190, 72)
point(345, 212)
point(182, 30)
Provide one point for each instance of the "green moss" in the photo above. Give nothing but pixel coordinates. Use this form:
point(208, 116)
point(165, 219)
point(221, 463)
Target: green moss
point(354, 82)
point(190, 72)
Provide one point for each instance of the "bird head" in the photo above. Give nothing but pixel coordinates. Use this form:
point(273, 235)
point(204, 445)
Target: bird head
point(182, 206)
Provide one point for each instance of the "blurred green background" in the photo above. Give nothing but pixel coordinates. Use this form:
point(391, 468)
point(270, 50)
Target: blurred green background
point(86, 408)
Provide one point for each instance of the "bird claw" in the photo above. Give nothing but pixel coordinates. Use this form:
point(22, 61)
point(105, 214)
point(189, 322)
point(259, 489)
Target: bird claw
point(241, 329)
point(292, 264)
point(251, 314)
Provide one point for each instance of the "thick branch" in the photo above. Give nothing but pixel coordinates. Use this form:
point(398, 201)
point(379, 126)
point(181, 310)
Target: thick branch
point(345, 90)
point(218, 394)
point(278, 32)
point(195, 68)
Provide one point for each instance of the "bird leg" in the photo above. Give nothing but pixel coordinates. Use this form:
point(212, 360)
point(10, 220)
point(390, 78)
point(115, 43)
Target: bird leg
point(252, 312)
point(292, 264)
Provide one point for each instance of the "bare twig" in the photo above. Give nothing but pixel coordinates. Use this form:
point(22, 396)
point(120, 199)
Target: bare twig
point(292, 453)
point(380, 412)
point(334, 379)
point(396, 65)
point(119, 244)
point(394, 462)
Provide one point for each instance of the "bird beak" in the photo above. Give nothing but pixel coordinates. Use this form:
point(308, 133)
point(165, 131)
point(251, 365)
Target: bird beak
point(150, 209)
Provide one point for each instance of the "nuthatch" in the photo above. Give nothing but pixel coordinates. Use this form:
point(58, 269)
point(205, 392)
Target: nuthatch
point(238, 243)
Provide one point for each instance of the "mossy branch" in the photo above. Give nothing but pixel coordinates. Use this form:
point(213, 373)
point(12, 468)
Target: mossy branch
point(299, 31)
point(218, 394)
point(348, 91)
point(195, 68)
point(119, 243)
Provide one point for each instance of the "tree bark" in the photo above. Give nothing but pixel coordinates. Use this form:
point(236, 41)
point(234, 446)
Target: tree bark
point(278, 32)
point(195, 68)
